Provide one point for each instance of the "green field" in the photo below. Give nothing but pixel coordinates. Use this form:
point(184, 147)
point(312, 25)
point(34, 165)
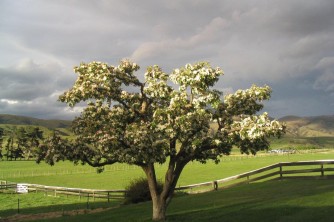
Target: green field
point(117, 176)
point(268, 201)
point(287, 200)
point(303, 143)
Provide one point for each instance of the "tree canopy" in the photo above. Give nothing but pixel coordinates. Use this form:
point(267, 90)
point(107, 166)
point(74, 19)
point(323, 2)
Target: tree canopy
point(21, 142)
point(165, 117)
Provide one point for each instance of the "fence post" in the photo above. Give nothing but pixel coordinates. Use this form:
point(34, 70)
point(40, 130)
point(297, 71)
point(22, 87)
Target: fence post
point(280, 172)
point(322, 169)
point(87, 201)
point(215, 185)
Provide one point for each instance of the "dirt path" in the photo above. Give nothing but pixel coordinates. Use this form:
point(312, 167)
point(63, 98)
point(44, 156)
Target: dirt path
point(28, 217)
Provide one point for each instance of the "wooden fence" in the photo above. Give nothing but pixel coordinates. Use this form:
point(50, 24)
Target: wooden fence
point(81, 193)
point(5, 185)
point(57, 191)
point(319, 169)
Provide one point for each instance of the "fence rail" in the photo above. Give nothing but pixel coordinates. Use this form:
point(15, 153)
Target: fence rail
point(56, 191)
point(275, 171)
point(88, 193)
point(5, 185)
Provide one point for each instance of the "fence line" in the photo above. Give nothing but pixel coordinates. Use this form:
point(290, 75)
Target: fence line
point(56, 191)
point(5, 185)
point(63, 171)
point(94, 193)
point(275, 171)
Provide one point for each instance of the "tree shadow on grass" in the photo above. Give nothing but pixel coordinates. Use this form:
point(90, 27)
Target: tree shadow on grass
point(290, 200)
point(23, 207)
point(287, 200)
point(283, 213)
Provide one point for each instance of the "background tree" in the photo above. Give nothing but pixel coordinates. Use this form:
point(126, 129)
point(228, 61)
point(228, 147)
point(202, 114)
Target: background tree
point(2, 133)
point(165, 118)
point(22, 143)
point(10, 147)
point(34, 137)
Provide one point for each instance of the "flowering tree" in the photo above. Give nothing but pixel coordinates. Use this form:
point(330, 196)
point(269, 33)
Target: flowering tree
point(154, 121)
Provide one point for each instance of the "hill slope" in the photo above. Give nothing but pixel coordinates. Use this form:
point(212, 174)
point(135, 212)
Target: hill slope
point(316, 126)
point(297, 127)
point(23, 120)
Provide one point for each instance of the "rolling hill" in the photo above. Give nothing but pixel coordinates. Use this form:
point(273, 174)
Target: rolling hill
point(316, 126)
point(24, 120)
point(316, 131)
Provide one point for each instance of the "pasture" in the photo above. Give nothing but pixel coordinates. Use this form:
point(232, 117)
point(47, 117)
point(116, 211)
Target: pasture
point(286, 200)
point(118, 176)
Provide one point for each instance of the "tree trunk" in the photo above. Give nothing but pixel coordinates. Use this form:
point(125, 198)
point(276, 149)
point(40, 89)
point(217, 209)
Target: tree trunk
point(159, 203)
point(159, 209)
point(160, 200)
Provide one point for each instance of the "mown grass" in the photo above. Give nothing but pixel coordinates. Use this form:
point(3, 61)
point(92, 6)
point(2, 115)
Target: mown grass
point(32, 203)
point(119, 175)
point(286, 200)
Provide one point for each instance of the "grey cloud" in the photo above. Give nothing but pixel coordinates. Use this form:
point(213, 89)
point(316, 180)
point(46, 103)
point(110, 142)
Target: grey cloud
point(29, 80)
point(301, 106)
point(325, 82)
point(181, 48)
point(43, 108)
point(65, 31)
point(310, 17)
point(325, 78)
point(298, 96)
point(271, 42)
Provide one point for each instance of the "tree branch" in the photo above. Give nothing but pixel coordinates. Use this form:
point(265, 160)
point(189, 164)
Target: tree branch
point(98, 164)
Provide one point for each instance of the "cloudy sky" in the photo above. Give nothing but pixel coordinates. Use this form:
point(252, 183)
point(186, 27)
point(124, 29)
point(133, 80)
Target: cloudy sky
point(287, 44)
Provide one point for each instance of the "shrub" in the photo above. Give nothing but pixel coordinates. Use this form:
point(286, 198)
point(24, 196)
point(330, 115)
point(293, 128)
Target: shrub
point(138, 191)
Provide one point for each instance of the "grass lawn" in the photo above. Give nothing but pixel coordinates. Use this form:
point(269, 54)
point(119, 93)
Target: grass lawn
point(118, 176)
point(273, 197)
point(32, 203)
point(287, 200)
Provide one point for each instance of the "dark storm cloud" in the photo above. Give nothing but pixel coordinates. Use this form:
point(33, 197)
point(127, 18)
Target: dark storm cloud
point(286, 44)
point(27, 81)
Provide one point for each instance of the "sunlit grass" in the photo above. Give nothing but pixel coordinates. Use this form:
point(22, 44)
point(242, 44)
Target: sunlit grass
point(119, 175)
point(287, 200)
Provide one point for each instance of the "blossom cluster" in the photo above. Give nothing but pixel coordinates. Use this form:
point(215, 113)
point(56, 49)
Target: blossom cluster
point(155, 120)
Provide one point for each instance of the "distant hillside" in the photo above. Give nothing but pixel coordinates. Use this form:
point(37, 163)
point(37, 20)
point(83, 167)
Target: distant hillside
point(316, 126)
point(23, 120)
